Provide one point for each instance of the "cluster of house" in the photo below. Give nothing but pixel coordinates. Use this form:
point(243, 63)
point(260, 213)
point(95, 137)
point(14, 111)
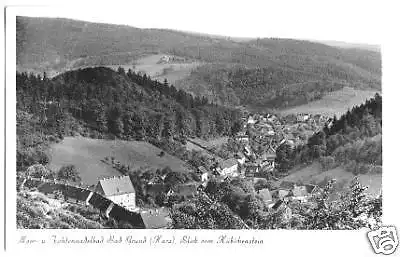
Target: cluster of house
point(262, 135)
point(286, 191)
point(306, 118)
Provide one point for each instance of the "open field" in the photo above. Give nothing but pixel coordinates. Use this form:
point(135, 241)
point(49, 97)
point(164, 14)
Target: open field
point(87, 155)
point(314, 174)
point(337, 102)
point(171, 71)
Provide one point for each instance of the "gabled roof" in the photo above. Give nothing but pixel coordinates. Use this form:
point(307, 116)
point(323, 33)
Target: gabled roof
point(228, 163)
point(300, 191)
point(265, 194)
point(202, 169)
point(282, 193)
point(310, 188)
point(116, 186)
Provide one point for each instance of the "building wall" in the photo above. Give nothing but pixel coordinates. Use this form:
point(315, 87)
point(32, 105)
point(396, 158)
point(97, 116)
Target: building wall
point(204, 177)
point(230, 170)
point(127, 200)
point(241, 161)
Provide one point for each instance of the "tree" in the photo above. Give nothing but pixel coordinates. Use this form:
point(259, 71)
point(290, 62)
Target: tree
point(97, 114)
point(121, 70)
point(115, 124)
point(284, 157)
point(174, 178)
point(39, 171)
point(69, 173)
point(204, 213)
point(353, 210)
point(169, 127)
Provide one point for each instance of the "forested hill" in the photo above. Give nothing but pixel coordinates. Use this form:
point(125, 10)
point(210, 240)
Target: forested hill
point(354, 141)
point(286, 73)
point(49, 44)
point(100, 103)
point(62, 43)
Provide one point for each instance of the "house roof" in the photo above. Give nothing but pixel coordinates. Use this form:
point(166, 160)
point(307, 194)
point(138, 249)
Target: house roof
point(282, 193)
point(310, 188)
point(265, 194)
point(202, 169)
point(300, 191)
point(228, 163)
point(116, 186)
point(269, 156)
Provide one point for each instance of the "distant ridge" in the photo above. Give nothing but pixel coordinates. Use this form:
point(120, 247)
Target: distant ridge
point(341, 44)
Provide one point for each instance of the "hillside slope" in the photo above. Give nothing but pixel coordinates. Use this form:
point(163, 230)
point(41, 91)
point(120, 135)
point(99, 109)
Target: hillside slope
point(88, 155)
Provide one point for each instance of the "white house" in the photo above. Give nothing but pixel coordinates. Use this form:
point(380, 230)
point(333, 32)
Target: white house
point(241, 159)
point(243, 138)
point(265, 195)
point(119, 190)
point(228, 167)
point(300, 193)
point(251, 120)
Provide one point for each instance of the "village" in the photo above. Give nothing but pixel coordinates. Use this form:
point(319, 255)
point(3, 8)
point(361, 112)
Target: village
point(260, 136)
point(259, 139)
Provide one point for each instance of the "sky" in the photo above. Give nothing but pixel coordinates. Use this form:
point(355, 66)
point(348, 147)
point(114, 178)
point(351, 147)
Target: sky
point(349, 21)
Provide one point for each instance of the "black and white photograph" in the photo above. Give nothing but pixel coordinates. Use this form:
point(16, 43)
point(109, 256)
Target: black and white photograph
point(150, 118)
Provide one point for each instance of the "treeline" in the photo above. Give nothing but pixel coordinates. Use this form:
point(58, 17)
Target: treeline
point(101, 103)
point(354, 140)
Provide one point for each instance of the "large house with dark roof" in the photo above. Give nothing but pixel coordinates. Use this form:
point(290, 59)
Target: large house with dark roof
point(119, 190)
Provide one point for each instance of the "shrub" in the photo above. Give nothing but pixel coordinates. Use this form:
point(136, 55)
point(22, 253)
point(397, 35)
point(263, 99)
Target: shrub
point(69, 173)
point(38, 171)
